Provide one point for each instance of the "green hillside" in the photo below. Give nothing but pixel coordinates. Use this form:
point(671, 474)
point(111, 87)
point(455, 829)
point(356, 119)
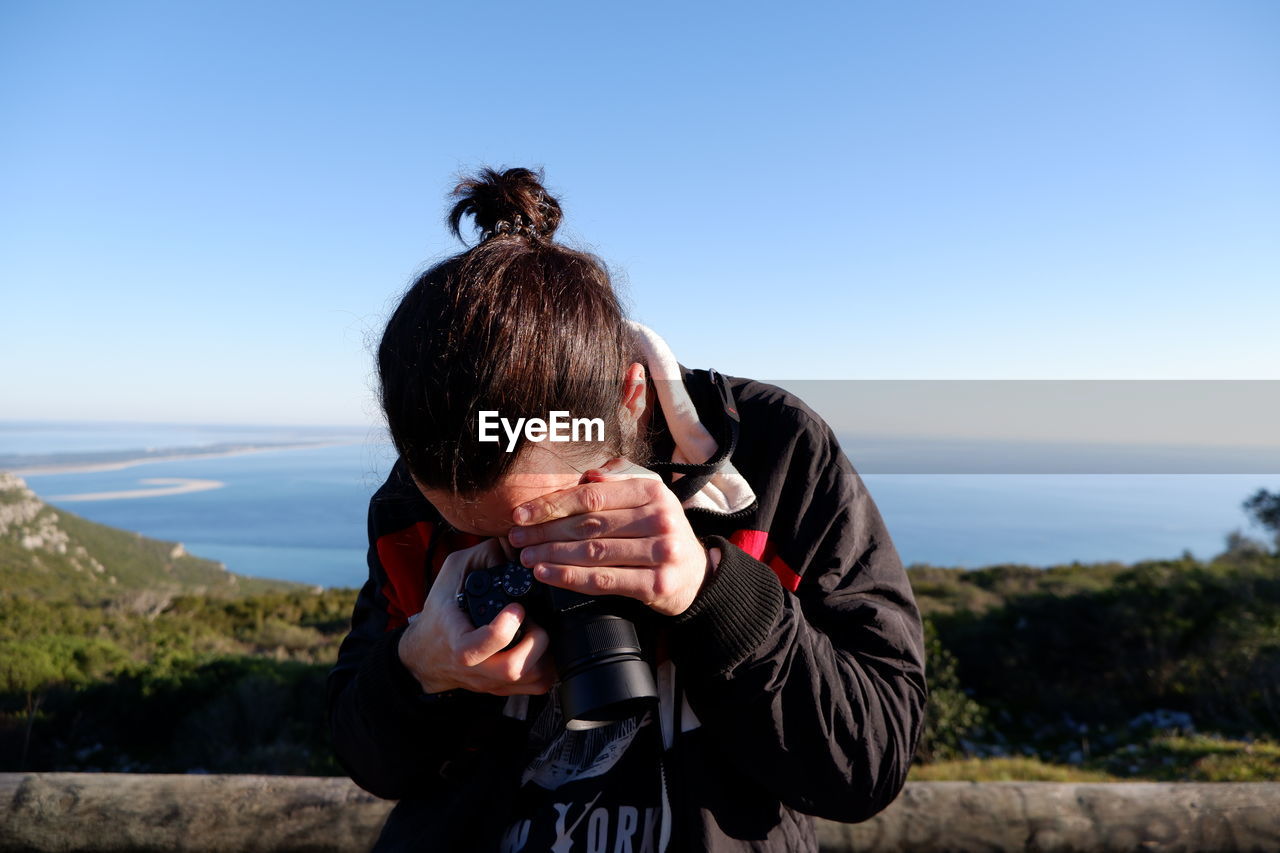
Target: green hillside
point(1163, 669)
point(122, 653)
point(55, 555)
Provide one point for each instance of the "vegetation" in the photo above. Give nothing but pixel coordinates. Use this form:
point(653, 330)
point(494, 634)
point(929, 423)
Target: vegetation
point(1162, 670)
point(1012, 769)
point(206, 684)
point(119, 652)
point(1203, 639)
point(1264, 507)
point(1164, 758)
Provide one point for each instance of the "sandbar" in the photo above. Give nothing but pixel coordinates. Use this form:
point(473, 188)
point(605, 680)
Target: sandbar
point(177, 456)
point(161, 487)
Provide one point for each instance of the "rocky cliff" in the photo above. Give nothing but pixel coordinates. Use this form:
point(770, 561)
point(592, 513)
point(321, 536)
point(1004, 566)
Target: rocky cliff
point(52, 553)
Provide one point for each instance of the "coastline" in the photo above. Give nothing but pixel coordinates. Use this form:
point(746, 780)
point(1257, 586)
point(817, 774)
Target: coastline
point(120, 464)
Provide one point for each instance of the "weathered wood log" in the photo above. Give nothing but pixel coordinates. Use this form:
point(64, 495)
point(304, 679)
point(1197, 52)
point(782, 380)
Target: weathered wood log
point(112, 812)
point(123, 811)
point(932, 817)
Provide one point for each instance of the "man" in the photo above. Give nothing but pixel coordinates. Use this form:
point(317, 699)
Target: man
point(786, 641)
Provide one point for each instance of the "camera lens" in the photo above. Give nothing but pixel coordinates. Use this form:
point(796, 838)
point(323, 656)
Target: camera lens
point(602, 674)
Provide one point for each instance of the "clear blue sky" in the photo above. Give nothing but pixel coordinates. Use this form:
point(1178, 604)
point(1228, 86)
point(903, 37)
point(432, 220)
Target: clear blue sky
point(208, 209)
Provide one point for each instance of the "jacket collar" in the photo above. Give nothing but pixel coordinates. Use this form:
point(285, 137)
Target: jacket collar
point(701, 416)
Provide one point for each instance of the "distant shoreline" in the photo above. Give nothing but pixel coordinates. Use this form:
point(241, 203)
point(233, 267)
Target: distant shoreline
point(119, 464)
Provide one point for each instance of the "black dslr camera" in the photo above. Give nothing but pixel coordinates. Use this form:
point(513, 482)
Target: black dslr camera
point(597, 651)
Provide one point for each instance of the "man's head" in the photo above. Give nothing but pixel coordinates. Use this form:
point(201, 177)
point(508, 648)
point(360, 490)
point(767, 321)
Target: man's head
point(518, 325)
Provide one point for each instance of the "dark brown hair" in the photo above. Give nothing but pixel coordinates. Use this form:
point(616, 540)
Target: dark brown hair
point(518, 324)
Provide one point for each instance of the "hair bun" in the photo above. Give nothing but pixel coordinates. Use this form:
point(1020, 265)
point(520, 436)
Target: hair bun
point(508, 202)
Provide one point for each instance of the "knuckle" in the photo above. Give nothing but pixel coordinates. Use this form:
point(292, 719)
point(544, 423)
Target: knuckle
point(664, 524)
point(592, 499)
point(596, 550)
point(589, 526)
point(664, 551)
point(604, 582)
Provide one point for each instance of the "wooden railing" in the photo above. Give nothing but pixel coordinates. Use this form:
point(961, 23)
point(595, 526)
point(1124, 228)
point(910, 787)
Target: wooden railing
point(113, 811)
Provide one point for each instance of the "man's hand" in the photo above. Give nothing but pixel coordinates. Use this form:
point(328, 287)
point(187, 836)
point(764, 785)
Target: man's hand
point(444, 651)
point(619, 532)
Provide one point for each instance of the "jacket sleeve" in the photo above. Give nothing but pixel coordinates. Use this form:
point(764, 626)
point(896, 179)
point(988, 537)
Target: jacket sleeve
point(393, 739)
point(818, 695)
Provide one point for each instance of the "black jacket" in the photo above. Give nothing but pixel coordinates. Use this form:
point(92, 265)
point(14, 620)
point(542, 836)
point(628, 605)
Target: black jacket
point(803, 659)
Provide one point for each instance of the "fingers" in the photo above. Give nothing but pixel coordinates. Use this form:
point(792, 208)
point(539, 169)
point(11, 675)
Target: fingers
point(445, 650)
point(448, 582)
point(645, 551)
point(477, 646)
point(634, 583)
point(567, 514)
point(527, 662)
point(590, 497)
point(525, 668)
point(628, 523)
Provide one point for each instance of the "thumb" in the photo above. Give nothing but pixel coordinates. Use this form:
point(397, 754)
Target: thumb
point(485, 555)
point(486, 641)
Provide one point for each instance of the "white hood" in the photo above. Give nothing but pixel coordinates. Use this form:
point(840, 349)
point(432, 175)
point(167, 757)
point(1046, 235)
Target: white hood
point(727, 491)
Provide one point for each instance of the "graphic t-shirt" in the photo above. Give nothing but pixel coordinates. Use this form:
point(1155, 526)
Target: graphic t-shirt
point(592, 790)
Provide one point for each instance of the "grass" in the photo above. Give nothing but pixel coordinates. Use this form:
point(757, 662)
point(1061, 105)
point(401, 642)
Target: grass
point(1009, 769)
point(1196, 758)
point(1164, 758)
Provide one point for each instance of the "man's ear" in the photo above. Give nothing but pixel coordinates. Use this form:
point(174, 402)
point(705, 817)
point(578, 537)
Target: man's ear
point(633, 392)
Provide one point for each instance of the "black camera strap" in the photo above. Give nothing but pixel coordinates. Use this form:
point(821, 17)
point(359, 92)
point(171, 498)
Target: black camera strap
point(697, 475)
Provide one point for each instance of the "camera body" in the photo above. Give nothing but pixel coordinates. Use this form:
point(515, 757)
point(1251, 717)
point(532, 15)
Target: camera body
point(603, 675)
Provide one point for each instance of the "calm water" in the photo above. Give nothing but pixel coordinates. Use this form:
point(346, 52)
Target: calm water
point(300, 514)
point(292, 514)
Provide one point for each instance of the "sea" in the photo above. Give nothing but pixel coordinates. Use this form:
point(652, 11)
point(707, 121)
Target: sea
point(291, 503)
